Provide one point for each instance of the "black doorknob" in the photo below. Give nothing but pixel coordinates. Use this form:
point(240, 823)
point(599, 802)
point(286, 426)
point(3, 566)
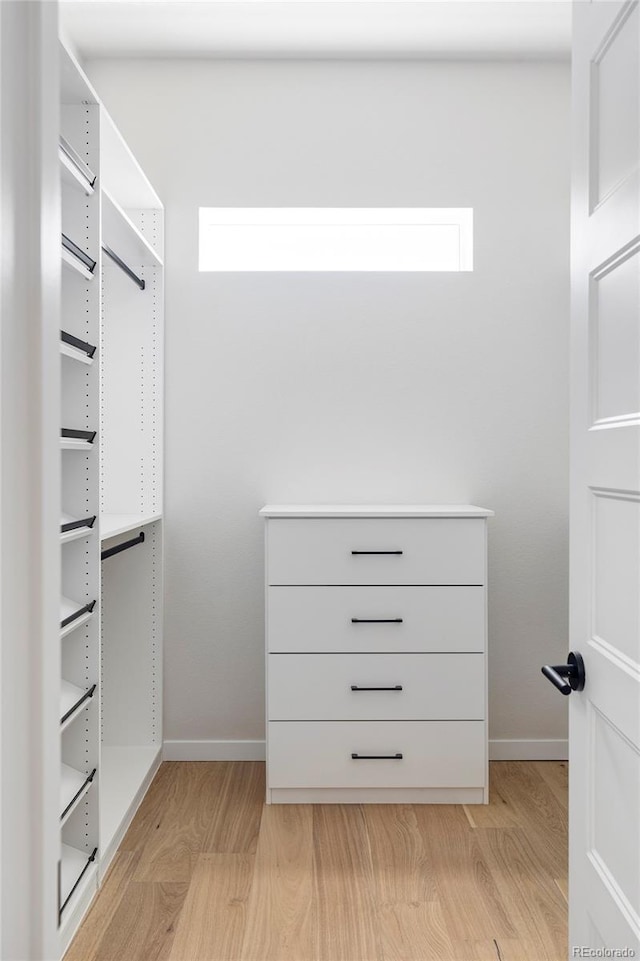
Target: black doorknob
point(566, 677)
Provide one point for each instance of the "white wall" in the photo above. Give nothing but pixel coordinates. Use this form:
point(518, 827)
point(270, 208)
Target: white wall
point(369, 388)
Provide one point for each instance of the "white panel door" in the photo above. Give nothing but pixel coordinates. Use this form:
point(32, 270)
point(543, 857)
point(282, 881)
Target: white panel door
point(604, 870)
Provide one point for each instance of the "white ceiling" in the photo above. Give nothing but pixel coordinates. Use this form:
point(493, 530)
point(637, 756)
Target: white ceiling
point(321, 28)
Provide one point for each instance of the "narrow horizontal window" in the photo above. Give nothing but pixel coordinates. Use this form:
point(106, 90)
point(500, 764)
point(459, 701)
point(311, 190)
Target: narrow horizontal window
point(413, 239)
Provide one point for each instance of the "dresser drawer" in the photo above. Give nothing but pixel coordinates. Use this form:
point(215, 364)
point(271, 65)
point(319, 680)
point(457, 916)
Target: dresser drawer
point(376, 551)
point(308, 754)
point(342, 619)
point(315, 687)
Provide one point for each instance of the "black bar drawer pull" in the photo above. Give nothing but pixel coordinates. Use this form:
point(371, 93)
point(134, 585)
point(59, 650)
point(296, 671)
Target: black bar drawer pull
point(376, 620)
point(396, 687)
point(376, 757)
point(377, 552)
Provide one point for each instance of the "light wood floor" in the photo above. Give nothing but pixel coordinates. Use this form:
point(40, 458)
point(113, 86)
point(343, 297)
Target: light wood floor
point(207, 872)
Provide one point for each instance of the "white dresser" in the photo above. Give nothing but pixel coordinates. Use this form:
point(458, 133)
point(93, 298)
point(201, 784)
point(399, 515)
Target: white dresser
point(376, 654)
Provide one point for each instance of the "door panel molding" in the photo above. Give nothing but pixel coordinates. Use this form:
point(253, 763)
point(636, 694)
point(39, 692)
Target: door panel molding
point(608, 51)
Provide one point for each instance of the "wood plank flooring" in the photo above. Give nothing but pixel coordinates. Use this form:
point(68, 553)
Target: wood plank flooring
point(208, 872)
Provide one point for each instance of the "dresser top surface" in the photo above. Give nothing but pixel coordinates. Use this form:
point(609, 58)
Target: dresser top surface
point(374, 510)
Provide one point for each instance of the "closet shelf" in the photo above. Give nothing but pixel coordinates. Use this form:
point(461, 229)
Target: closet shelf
point(72, 528)
point(121, 235)
point(76, 439)
point(69, 260)
point(120, 172)
point(75, 535)
point(75, 348)
point(74, 866)
point(74, 170)
point(73, 787)
point(73, 256)
point(73, 614)
point(113, 524)
point(73, 700)
point(74, 86)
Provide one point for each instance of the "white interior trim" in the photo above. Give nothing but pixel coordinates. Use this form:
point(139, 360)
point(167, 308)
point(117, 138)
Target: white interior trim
point(451, 30)
point(529, 749)
point(214, 750)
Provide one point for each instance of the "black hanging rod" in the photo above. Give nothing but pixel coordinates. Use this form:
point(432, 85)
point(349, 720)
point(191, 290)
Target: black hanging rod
point(110, 551)
point(74, 525)
point(78, 793)
point(66, 338)
point(78, 252)
point(90, 860)
point(121, 264)
point(88, 435)
point(87, 609)
point(85, 697)
point(78, 162)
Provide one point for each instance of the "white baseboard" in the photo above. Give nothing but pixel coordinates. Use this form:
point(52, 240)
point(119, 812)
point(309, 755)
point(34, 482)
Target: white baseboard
point(214, 751)
point(552, 749)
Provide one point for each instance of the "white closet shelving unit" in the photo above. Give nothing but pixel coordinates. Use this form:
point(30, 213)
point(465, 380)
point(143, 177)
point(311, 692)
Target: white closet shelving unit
point(111, 355)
